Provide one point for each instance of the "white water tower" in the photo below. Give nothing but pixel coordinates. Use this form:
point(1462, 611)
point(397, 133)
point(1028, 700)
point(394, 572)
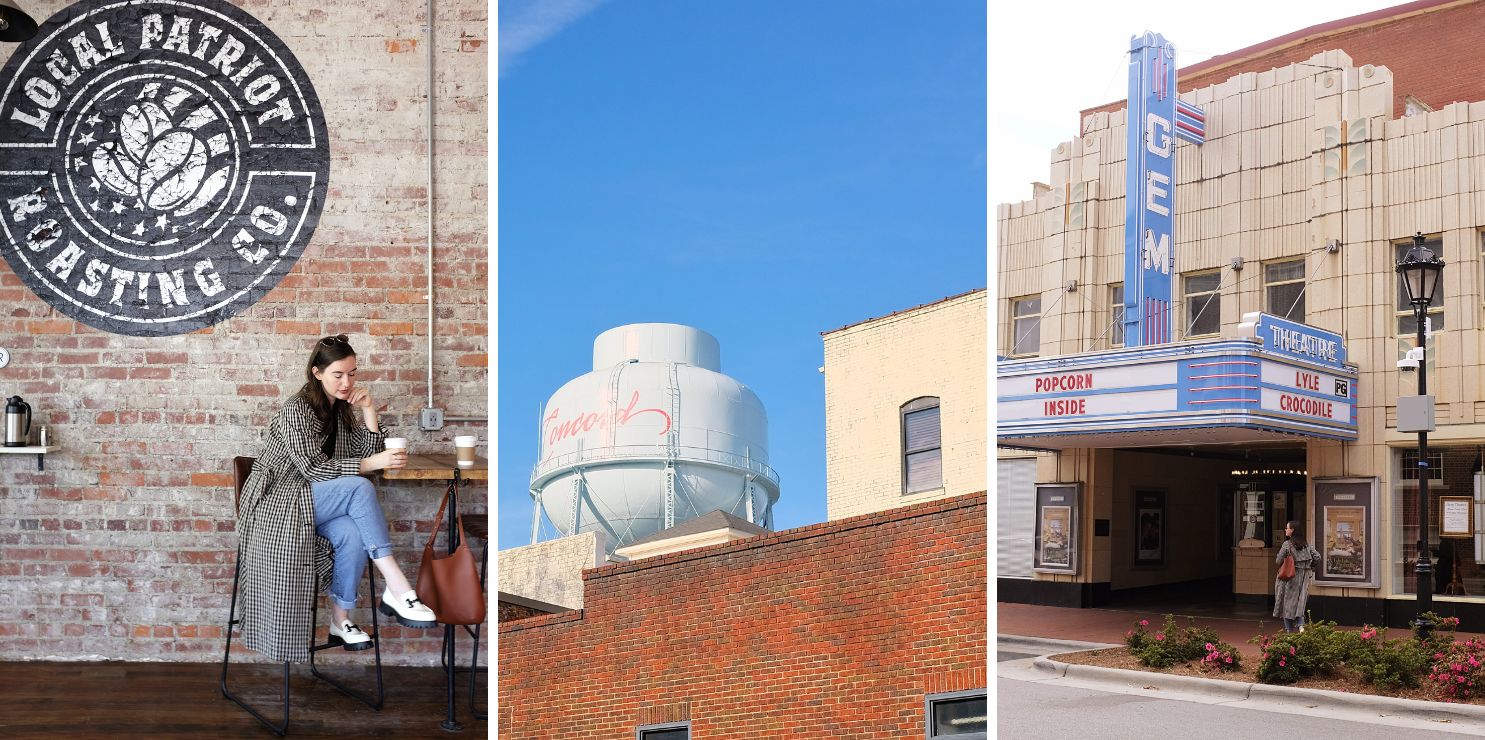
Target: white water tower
point(653, 436)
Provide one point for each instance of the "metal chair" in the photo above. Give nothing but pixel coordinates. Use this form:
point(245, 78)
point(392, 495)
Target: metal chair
point(477, 526)
point(241, 467)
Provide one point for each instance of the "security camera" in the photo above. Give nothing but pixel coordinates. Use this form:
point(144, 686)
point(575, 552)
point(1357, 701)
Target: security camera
point(1410, 361)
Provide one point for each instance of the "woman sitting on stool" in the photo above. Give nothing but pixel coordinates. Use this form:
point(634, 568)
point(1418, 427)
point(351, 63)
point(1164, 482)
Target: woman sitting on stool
point(308, 480)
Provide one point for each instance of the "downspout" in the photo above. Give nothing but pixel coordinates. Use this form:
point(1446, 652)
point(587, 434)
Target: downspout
point(432, 417)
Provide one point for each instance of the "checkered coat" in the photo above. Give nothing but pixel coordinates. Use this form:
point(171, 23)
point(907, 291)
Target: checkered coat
point(284, 563)
point(1291, 596)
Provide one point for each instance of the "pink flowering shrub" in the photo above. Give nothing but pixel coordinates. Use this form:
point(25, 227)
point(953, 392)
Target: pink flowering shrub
point(1389, 664)
point(1440, 632)
point(1457, 672)
point(1137, 637)
point(1290, 656)
point(1221, 657)
point(1171, 644)
point(1281, 661)
point(1323, 650)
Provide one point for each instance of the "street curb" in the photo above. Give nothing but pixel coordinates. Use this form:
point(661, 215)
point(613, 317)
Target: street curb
point(1241, 691)
point(1227, 690)
point(1042, 665)
point(1019, 644)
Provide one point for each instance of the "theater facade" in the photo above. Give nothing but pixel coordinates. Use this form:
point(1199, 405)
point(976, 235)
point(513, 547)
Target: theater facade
point(1199, 341)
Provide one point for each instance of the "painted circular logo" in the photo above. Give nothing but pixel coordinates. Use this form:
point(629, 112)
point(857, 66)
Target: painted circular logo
point(163, 163)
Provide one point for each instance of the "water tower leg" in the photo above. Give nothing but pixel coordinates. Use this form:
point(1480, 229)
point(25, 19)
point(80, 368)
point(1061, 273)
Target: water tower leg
point(577, 497)
point(535, 515)
point(669, 496)
point(748, 497)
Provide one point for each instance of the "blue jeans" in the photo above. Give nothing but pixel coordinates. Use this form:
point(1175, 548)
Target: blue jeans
point(1293, 625)
point(348, 514)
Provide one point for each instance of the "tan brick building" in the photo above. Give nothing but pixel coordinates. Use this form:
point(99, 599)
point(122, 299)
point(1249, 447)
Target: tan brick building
point(905, 407)
point(1308, 188)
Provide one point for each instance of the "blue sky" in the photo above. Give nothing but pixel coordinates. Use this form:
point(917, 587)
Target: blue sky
point(762, 170)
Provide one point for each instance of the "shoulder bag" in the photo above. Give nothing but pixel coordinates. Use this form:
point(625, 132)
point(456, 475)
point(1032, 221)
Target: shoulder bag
point(450, 585)
point(1286, 568)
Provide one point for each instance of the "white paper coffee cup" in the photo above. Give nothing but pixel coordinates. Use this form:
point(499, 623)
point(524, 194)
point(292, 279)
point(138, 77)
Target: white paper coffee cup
point(464, 450)
point(396, 443)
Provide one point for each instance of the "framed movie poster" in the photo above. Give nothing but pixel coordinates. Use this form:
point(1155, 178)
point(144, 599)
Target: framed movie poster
point(1149, 527)
point(1056, 540)
point(1456, 516)
point(1344, 530)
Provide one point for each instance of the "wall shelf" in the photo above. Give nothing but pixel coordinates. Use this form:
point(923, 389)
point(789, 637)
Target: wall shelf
point(37, 450)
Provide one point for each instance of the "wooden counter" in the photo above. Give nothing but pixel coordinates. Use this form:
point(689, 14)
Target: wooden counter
point(438, 467)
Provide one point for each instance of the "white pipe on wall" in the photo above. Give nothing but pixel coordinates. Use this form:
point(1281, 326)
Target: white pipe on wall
point(428, 10)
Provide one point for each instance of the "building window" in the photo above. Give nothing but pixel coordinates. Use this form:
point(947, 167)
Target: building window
point(1026, 325)
point(962, 714)
point(1284, 289)
point(1407, 322)
point(1116, 315)
point(1452, 471)
point(1203, 304)
point(922, 455)
point(1409, 467)
point(668, 731)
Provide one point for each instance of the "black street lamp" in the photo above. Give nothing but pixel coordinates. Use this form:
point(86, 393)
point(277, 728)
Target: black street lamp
point(15, 25)
point(1420, 270)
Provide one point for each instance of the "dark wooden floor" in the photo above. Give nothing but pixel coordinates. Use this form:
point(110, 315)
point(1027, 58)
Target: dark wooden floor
point(183, 700)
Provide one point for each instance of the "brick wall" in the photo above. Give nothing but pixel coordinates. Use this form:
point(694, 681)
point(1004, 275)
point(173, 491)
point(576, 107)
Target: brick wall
point(123, 547)
point(871, 370)
point(1412, 44)
point(830, 630)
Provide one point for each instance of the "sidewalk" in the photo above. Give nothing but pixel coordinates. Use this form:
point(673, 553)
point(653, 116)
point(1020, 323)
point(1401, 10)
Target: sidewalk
point(1109, 625)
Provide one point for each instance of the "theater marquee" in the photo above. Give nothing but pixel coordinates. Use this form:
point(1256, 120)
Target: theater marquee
point(1236, 388)
point(162, 163)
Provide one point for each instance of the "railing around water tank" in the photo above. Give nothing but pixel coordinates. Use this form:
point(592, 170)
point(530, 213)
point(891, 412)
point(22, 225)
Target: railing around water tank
point(549, 468)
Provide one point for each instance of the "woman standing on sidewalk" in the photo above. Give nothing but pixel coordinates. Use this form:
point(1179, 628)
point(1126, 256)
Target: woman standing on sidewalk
point(1291, 596)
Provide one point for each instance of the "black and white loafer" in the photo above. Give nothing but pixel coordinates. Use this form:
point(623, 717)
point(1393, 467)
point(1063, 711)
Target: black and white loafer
point(408, 610)
point(348, 635)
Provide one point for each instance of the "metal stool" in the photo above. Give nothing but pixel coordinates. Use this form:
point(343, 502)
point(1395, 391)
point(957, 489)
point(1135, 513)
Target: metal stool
point(476, 526)
point(241, 467)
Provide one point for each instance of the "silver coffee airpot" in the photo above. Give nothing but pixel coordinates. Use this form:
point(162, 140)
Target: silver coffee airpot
point(17, 422)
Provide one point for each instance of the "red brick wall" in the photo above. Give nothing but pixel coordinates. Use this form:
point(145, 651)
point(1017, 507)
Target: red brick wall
point(123, 547)
point(1434, 56)
point(831, 630)
point(509, 612)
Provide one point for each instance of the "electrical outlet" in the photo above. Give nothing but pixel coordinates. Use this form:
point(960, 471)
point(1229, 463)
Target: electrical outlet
point(431, 419)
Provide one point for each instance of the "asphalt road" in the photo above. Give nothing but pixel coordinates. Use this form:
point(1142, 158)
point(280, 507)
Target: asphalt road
point(1027, 710)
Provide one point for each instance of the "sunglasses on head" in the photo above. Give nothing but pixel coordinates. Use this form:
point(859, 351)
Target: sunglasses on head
point(338, 338)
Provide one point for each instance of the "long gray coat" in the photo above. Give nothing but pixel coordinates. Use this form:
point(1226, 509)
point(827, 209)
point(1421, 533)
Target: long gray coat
point(1291, 596)
point(284, 563)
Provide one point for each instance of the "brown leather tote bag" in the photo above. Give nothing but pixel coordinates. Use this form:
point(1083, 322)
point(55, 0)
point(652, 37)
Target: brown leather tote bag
point(450, 585)
point(1286, 569)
